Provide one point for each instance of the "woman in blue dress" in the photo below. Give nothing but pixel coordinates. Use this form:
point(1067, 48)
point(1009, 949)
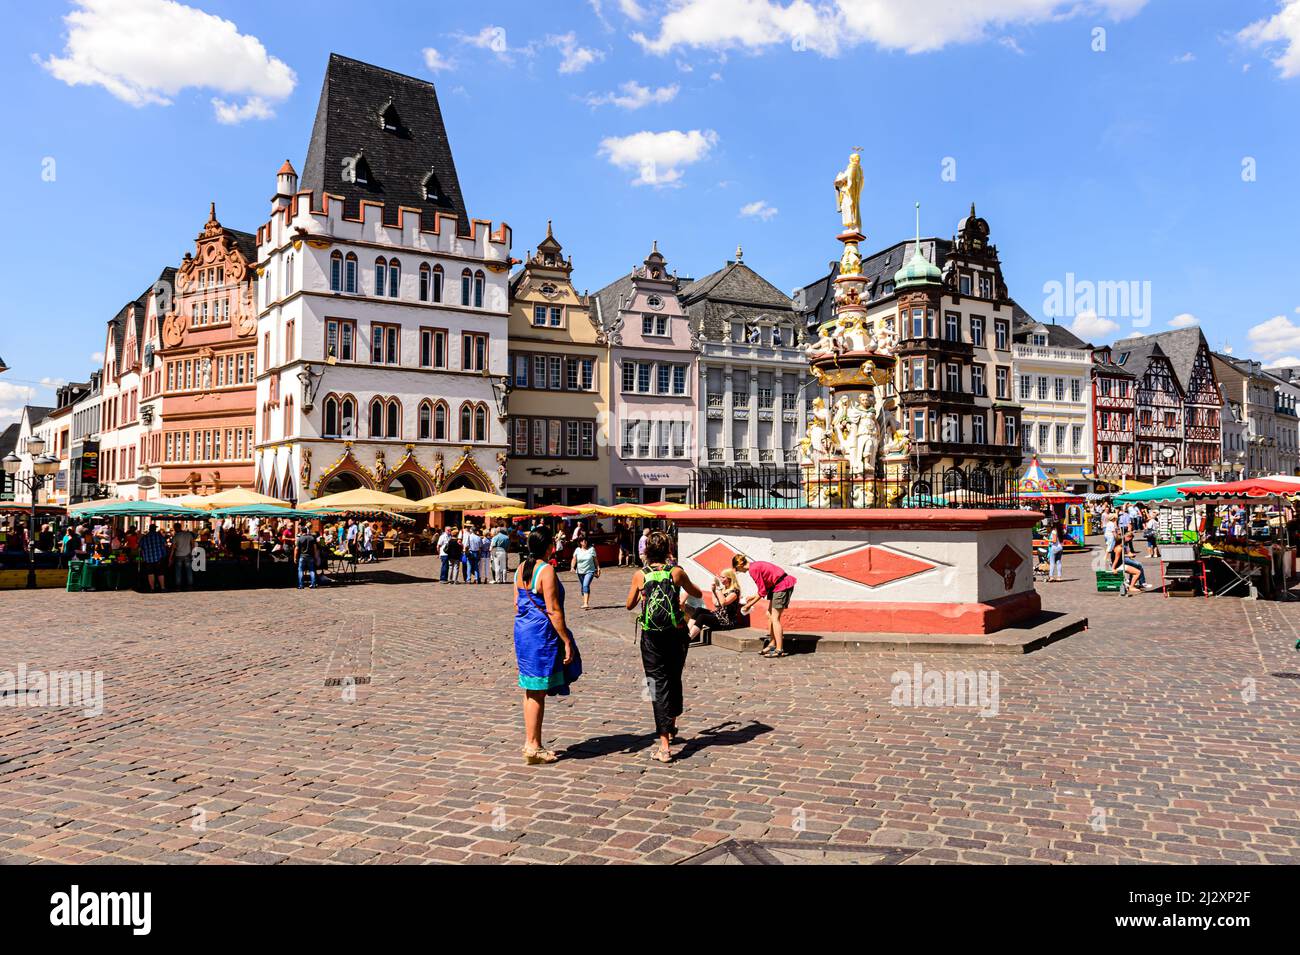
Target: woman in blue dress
point(544, 646)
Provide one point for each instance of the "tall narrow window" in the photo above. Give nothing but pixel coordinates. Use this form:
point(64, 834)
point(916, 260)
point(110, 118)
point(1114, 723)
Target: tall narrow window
point(478, 289)
point(466, 279)
point(336, 272)
point(480, 423)
point(348, 418)
point(394, 420)
point(376, 418)
point(425, 424)
point(465, 425)
point(331, 424)
point(440, 414)
point(394, 278)
point(350, 274)
point(437, 283)
point(424, 282)
point(381, 276)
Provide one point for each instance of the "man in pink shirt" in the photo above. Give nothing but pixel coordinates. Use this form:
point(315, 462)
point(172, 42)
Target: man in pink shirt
point(776, 586)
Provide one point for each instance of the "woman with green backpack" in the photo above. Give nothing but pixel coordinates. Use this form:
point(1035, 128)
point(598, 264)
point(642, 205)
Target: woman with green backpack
point(658, 587)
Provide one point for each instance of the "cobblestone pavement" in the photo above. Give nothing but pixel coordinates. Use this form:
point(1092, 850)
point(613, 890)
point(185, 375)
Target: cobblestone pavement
point(380, 722)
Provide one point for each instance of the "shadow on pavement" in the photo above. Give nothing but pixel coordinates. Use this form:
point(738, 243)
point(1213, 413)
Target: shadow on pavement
point(724, 734)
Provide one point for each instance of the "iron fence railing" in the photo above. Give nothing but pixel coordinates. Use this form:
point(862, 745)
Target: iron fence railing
point(833, 485)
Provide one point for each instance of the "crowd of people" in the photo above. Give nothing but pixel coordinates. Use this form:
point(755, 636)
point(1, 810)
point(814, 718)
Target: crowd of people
point(1121, 529)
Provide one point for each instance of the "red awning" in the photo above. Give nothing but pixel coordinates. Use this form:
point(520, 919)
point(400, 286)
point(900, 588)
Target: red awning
point(1248, 488)
point(557, 510)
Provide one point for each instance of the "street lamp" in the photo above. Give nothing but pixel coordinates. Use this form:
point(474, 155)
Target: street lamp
point(44, 466)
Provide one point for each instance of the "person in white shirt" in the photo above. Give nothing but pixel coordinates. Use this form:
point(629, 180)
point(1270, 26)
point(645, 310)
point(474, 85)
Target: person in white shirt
point(182, 553)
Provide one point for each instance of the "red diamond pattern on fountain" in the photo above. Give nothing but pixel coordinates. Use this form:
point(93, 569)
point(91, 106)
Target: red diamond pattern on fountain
point(716, 557)
point(1005, 564)
point(872, 565)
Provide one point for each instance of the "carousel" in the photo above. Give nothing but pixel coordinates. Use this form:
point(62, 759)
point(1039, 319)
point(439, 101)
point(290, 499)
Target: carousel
point(1041, 491)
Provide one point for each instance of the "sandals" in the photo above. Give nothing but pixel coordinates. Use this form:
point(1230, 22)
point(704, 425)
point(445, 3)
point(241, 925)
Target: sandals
point(777, 653)
point(539, 756)
point(661, 755)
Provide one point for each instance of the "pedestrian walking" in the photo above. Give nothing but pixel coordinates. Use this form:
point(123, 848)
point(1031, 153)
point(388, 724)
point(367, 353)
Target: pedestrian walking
point(455, 555)
point(1149, 530)
point(181, 553)
point(545, 650)
point(153, 556)
point(658, 588)
point(587, 567)
point(304, 554)
point(1055, 548)
point(500, 554)
point(441, 546)
point(776, 587)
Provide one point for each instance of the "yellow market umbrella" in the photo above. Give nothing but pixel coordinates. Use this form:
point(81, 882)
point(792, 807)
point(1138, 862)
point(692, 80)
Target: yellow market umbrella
point(669, 507)
point(466, 499)
point(237, 497)
point(629, 510)
point(587, 509)
point(362, 499)
point(509, 512)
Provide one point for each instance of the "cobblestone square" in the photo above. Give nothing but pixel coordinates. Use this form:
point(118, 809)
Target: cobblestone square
point(380, 722)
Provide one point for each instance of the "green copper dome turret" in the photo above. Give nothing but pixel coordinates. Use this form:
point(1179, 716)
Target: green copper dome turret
point(918, 270)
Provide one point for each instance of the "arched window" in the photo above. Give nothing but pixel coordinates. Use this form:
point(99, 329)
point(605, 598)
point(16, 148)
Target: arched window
point(480, 423)
point(478, 289)
point(466, 416)
point(350, 274)
point(394, 419)
point(288, 416)
point(336, 271)
point(437, 283)
point(376, 418)
point(348, 418)
point(466, 280)
point(288, 275)
point(440, 415)
point(331, 425)
point(381, 276)
point(425, 426)
point(424, 281)
point(394, 277)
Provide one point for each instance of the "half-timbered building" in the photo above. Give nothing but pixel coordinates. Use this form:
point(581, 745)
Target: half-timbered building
point(1113, 396)
point(1158, 408)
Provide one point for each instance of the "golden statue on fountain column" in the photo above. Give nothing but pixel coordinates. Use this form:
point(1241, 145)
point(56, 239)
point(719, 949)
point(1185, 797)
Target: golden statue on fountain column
point(848, 194)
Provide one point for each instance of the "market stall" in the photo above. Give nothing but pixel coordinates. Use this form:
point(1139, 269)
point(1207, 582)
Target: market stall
point(1040, 491)
point(1245, 535)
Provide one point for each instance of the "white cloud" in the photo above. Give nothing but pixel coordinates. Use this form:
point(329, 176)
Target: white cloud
point(54, 382)
point(16, 394)
point(634, 96)
point(658, 157)
point(632, 10)
point(916, 26)
point(758, 209)
point(97, 358)
point(1188, 57)
point(1010, 43)
point(1185, 320)
point(435, 62)
point(1281, 28)
point(492, 38)
point(1089, 326)
point(575, 58)
point(1290, 361)
point(232, 114)
point(1277, 336)
point(144, 52)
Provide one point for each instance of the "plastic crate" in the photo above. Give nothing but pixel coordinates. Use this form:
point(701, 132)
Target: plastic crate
point(1108, 581)
point(80, 576)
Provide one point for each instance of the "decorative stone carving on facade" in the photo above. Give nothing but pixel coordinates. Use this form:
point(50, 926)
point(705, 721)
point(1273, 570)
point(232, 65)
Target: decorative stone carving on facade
point(347, 461)
point(305, 469)
point(466, 466)
point(409, 464)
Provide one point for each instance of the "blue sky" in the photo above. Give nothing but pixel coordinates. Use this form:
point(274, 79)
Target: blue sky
point(1161, 150)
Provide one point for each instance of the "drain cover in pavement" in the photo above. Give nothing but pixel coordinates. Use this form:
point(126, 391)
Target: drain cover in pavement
point(744, 852)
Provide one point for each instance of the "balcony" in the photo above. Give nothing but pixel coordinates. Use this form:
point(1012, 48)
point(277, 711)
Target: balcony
point(1069, 356)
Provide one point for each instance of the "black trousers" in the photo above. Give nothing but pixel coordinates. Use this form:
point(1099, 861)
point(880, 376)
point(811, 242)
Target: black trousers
point(663, 657)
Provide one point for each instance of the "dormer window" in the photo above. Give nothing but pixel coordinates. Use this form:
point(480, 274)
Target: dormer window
point(432, 191)
point(548, 289)
point(357, 170)
point(388, 120)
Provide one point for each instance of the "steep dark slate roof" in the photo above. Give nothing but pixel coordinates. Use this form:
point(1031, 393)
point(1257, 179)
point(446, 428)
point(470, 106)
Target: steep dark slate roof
point(1140, 351)
point(817, 304)
point(609, 298)
point(1058, 336)
point(9, 438)
point(245, 242)
point(1181, 346)
point(38, 413)
point(348, 124)
point(735, 289)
